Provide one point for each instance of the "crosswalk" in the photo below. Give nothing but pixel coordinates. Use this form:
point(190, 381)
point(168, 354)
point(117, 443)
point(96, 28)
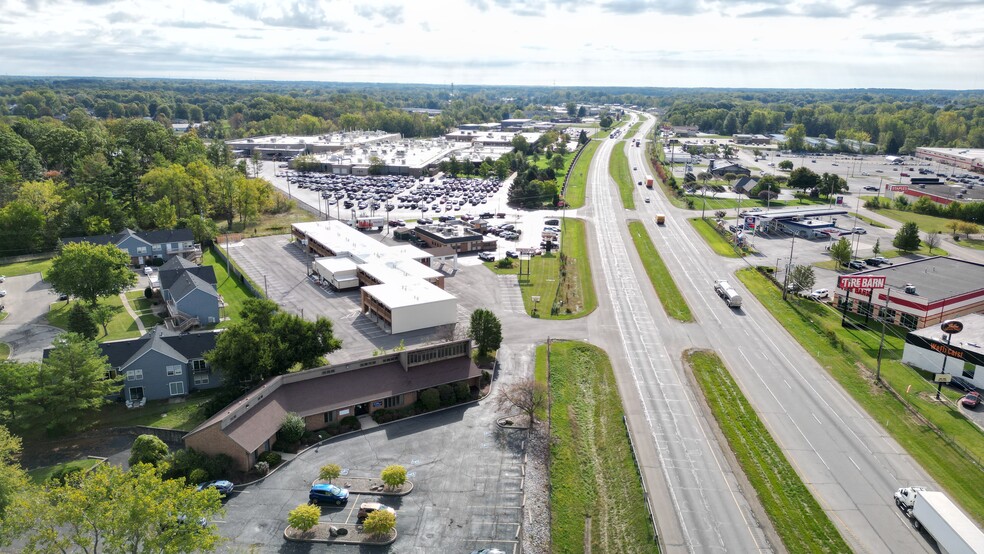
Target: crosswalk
point(512, 298)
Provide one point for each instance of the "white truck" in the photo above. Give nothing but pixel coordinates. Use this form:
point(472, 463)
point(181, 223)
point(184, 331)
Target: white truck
point(730, 295)
point(933, 511)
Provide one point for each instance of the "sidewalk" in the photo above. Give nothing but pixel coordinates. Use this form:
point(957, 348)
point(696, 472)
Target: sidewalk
point(129, 310)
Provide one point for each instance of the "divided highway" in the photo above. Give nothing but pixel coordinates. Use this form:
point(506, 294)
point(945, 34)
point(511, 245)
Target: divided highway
point(850, 463)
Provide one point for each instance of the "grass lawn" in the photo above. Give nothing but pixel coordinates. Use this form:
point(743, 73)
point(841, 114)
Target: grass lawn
point(4, 351)
point(592, 471)
point(868, 220)
point(578, 183)
point(718, 243)
point(633, 129)
point(269, 224)
point(232, 291)
point(926, 223)
point(25, 268)
point(796, 514)
point(143, 308)
point(572, 295)
point(618, 167)
point(669, 295)
point(42, 474)
point(747, 203)
point(122, 326)
point(849, 355)
point(156, 413)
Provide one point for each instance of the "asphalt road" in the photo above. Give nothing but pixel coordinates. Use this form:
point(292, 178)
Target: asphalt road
point(849, 462)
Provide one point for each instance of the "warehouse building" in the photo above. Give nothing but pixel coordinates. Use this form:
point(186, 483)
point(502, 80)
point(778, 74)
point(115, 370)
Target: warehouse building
point(926, 348)
point(456, 235)
point(399, 290)
point(971, 159)
point(922, 292)
point(323, 396)
point(289, 146)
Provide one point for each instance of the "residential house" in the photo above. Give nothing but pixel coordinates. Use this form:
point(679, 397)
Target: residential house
point(190, 294)
point(146, 246)
point(161, 364)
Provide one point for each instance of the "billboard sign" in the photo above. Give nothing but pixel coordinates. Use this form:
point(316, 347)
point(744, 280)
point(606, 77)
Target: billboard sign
point(750, 222)
point(952, 326)
point(861, 283)
point(899, 188)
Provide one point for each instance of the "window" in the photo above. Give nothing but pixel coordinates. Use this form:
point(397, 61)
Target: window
point(888, 315)
point(393, 401)
point(968, 370)
point(112, 372)
point(909, 321)
point(329, 417)
point(157, 248)
point(177, 388)
point(134, 375)
point(199, 366)
point(141, 250)
point(201, 379)
point(173, 370)
point(136, 393)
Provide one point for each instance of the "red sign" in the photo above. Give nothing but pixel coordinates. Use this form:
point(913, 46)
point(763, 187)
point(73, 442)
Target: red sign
point(899, 188)
point(861, 283)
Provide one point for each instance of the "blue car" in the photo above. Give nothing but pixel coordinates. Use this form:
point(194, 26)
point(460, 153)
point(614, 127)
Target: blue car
point(328, 494)
point(224, 487)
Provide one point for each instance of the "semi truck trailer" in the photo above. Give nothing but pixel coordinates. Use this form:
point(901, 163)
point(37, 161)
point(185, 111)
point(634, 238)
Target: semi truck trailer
point(725, 291)
point(934, 512)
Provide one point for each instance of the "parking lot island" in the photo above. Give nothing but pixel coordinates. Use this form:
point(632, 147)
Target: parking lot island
point(353, 535)
point(369, 485)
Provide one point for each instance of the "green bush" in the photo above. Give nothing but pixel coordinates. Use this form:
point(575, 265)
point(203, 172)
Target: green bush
point(65, 474)
point(148, 293)
point(197, 475)
point(147, 449)
point(462, 392)
point(291, 429)
point(270, 457)
point(349, 423)
point(447, 395)
point(486, 378)
point(431, 399)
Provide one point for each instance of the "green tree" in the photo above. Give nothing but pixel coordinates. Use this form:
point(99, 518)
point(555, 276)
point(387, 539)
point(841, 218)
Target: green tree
point(13, 479)
point(802, 278)
point(786, 165)
point(73, 381)
point(103, 314)
point(394, 476)
point(267, 341)
point(81, 321)
point(907, 237)
point(17, 390)
point(876, 249)
point(486, 330)
point(112, 510)
point(804, 178)
point(148, 449)
point(841, 251)
point(304, 517)
point(376, 165)
point(968, 228)
point(795, 138)
point(831, 184)
point(89, 271)
point(330, 472)
point(379, 523)
point(291, 428)
point(203, 228)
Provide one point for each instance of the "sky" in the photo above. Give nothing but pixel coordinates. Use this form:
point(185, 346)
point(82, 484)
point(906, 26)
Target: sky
point(915, 44)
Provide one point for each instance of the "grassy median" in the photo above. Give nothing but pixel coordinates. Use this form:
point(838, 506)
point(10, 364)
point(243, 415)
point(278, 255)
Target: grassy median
point(592, 470)
point(578, 183)
point(666, 288)
point(796, 515)
point(718, 243)
point(949, 449)
point(618, 166)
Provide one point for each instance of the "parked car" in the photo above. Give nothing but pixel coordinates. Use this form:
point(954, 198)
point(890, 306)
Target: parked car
point(819, 294)
point(879, 260)
point(870, 188)
point(860, 231)
point(962, 383)
point(512, 254)
point(486, 256)
point(328, 493)
point(148, 270)
point(224, 487)
point(972, 400)
point(2, 278)
point(367, 508)
point(3, 293)
point(856, 264)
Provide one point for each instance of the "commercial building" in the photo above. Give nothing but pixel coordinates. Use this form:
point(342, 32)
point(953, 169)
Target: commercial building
point(456, 235)
point(920, 293)
point(802, 222)
point(971, 159)
point(926, 348)
point(722, 169)
point(323, 396)
point(289, 146)
point(752, 139)
point(399, 290)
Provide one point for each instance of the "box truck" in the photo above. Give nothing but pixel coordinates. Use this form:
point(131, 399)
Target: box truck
point(730, 295)
point(933, 511)
point(660, 219)
point(649, 182)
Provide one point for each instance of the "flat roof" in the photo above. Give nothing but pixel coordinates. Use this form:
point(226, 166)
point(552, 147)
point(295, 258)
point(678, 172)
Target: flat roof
point(784, 213)
point(409, 251)
point(343, 239)
point(971, 338)
point(934, 278)
point(336, 264)
point(968, 153)
point(397, 270)
point(411, 292)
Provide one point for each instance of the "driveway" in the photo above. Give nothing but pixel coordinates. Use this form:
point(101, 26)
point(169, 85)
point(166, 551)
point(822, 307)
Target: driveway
point(26, 327)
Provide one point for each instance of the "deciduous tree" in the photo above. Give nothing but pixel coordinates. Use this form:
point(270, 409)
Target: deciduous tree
point(486, 330)
point(932, 240)
point(379, 522)
point(907, 237)
point(304, 517)
point(73, 381)
point(13, 479)
point(802, 278)
point(148, 449)
point(394, 476)
point(526, 395)
point(841, 251)
point(330, 472)
point(89, 271)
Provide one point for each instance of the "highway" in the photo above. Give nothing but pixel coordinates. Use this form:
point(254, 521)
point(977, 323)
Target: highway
point(848, 461)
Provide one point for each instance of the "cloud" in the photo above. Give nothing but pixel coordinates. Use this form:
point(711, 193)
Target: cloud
point(122, 17)
point(299, 14)
point(392, 13)
point(821, 10)
point(666, 7)
point(196, 25)
point(777, 11)
point(910, 41)
point(916, 6)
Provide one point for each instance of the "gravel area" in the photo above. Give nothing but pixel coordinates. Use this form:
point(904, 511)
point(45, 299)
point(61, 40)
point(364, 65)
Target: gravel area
point(536, 522)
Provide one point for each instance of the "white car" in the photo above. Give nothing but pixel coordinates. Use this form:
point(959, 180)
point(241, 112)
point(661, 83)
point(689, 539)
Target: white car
point(860, 231)
point(148, 270)
point(3, 293)
point(2, 278)
point(819, 294)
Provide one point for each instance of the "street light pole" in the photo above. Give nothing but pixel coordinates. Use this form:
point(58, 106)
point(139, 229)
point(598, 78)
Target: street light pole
point(785, 280)
point(881, 343)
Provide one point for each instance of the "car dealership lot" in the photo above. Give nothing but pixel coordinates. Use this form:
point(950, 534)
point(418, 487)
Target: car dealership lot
point(467, 492)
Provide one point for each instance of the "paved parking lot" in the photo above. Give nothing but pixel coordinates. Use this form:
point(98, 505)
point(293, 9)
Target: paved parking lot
point(467, 475)
point(26, 327)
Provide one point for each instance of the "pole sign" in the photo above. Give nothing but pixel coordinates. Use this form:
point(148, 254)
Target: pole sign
point(943, 378)
point(861, 283)
point(951, 327)
point(899, 188)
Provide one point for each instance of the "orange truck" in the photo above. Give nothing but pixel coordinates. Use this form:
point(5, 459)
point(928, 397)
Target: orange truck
point(649, 182)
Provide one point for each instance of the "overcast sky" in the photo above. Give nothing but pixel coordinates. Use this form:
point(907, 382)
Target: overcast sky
point(917, 44)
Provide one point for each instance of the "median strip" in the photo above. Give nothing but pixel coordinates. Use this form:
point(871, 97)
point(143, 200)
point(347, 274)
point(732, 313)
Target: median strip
point(667, 290)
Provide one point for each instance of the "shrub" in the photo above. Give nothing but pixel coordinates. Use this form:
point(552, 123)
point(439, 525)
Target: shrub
point(148, 293)
point(394, 476)
point(380, 522)
point(66, 473)
point(349, 423)
point(330, 472)
point(504, 263)
point(271, 458)
point(486, 378)
point(219, 465)
point(292, 428)
point(462, 392)
point(431, 399)
point(198, 475)
point(447, 395)
point(304, 517)
point(148, 449)
point(262, 468)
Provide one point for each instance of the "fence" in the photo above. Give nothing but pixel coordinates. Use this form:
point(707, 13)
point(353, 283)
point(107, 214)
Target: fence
point(28, 257)
point(235, 272)
point(563, 189)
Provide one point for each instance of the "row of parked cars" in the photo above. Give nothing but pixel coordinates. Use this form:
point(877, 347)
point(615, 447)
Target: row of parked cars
point(860, 265)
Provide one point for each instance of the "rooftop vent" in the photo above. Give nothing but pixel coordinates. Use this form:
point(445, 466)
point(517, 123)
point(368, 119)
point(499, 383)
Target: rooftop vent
point(910, 288)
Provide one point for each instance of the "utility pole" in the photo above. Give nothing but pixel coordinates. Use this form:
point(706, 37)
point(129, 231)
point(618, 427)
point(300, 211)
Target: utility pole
point(881, 343)
point(785, 280)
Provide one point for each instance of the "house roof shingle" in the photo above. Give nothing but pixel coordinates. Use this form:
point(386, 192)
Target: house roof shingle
point(160, 236)
point(187, 282)
point(187, 346)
